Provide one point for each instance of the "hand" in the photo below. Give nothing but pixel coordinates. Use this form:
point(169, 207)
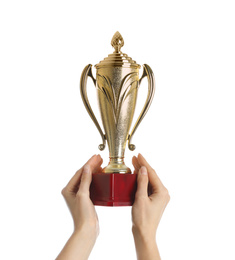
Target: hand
point(77, 196)
point(86, 225)
point(147, 210)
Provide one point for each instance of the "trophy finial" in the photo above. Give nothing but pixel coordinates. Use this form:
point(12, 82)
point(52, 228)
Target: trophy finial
point(117, 41)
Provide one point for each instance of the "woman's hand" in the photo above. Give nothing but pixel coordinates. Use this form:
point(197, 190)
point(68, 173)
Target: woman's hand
point(86, 225)
point(77, 196)
point(147, 209)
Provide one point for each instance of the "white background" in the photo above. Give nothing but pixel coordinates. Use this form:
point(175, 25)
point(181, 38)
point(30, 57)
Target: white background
point(187, 135)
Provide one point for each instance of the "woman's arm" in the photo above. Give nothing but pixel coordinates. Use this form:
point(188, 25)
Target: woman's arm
point(86, 226)
point(78, 246)
point(147, 210)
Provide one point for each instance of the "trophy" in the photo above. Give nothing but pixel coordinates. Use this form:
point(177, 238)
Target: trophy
point(117, 82)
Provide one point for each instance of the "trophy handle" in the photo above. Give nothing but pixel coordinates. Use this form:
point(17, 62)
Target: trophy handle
point(151, 89)
point(83, 88)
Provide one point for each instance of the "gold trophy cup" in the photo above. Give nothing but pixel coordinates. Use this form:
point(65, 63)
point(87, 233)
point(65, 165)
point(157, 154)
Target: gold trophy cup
point(117, 82)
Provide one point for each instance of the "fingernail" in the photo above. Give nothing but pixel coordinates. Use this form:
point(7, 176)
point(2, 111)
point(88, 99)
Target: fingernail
point(143, 170)
point(86, 169)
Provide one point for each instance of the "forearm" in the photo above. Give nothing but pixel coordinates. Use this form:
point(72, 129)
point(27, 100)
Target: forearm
point(78, 247)
point(146, 246)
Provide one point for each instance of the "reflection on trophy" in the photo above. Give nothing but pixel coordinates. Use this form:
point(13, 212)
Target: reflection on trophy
point(117, 82)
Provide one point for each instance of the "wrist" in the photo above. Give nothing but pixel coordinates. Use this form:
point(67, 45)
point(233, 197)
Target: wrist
point(143, 236)
point(87, 232)
point(145, 244)
point(79, 244)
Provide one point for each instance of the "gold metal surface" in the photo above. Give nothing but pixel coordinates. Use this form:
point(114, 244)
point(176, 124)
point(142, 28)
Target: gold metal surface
point(117, 42)
point(117, 82)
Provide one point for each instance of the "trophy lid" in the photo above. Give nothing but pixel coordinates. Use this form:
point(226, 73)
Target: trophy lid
point(117, 58)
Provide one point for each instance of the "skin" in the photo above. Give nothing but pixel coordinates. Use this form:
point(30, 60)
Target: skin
point(86, 225)
point(147, 211)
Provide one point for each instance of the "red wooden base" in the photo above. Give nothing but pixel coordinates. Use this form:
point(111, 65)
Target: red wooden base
point(113, 189)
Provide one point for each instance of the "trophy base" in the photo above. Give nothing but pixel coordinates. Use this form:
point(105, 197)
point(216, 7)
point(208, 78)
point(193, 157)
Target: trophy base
point(113, 189)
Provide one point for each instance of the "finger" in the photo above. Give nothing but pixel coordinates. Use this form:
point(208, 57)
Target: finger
point(72, 185)
point(85, 180)
point(86, 177)
point(153, 178)
point(136, 164)
point(96, 166)
point(142, 183)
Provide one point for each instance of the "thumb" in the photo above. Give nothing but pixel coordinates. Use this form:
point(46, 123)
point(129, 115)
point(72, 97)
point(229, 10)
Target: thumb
point(142, 183)
point(85, 179)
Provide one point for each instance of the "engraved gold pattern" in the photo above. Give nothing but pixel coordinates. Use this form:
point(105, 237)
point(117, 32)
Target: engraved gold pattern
point(127, 85)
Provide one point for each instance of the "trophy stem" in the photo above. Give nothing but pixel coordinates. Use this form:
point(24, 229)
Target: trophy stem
point(116, 165)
